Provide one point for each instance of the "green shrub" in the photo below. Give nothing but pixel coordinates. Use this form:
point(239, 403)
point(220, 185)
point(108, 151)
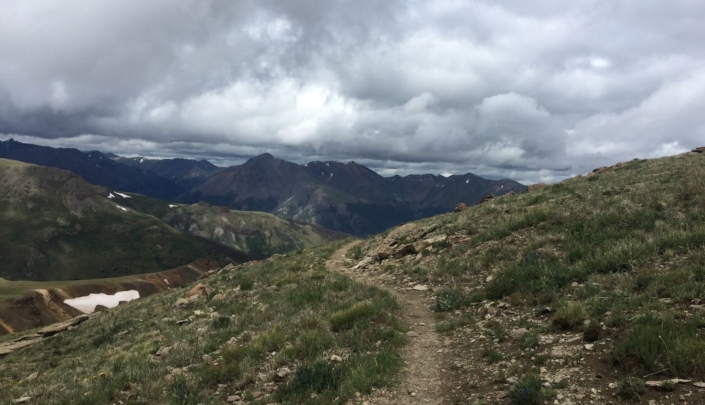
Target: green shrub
point(631, 388)
point(527, 391)
point(569, 317)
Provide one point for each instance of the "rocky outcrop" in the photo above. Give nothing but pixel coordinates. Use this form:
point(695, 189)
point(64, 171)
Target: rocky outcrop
point(408, 239)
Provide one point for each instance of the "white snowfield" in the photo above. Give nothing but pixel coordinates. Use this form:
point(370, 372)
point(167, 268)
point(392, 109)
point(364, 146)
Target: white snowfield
point(88, 303)
point(111, 195)
point(172, 206)
point(121, 208)
point(123, 195)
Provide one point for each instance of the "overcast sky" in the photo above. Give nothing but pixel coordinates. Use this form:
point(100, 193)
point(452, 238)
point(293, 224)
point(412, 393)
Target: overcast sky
point(535, 91)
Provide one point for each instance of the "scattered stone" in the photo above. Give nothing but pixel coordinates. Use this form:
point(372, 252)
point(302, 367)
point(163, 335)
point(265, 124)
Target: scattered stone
point(489, 278)
point(589, 347)
point(411, 333)
point(336, 358)
point(256, 394)
point(234, 398)
point(700, 149)
point(699, 384)
point(33, 376)
point(492, 311)
point(420, 287)
point(21, 400)
point(100, 308)
point(536, 186)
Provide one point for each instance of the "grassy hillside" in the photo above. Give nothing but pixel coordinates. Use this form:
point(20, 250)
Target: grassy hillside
point(256, 233)
point(540, 291)
point(55, 226)
point(283, 330)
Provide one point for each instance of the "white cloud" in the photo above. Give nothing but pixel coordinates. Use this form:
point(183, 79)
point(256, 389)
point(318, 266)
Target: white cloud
point(534, 91)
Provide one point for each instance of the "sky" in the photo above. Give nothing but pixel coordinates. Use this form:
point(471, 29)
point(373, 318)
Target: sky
point(533, 91)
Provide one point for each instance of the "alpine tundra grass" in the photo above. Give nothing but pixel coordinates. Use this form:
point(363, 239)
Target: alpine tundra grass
point(283, 330)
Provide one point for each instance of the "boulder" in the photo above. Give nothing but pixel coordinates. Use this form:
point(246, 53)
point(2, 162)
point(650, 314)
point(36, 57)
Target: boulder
point(198, 290)
point(487, 197)
point(533, 187)
point(460, 207)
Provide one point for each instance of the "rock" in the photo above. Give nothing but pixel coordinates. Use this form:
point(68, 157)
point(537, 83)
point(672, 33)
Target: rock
point(206, 274)
point(7, 348)
point(404, 250)
point(336, 358)
point(282, 374)
point(518, 333)
point(233, 398)
point(411, 333)
point(164, 350)
point(21, 400)
point(700, 149)
point(533, 187)
point(489, 278)
point(460, 207)
point(100, 308)
point(659, 384)
point(699, 384)
point(589, 347)
point(33, 376)
point(256, 394)
point(574, 284)
point(512, 380)
point(665, 300)
point(62, 326)
point(486, 198)
point(492, 311)
point(197, 290)
point(419, 287)
point(364, 263)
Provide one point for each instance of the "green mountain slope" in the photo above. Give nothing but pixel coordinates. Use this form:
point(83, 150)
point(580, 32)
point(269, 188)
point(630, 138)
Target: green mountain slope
point(256, 233)
point(596, 276)
point(55, 226)
point(283, 330)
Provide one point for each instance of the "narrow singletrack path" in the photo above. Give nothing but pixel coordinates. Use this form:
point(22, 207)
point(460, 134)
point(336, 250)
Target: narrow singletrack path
point(420, 381)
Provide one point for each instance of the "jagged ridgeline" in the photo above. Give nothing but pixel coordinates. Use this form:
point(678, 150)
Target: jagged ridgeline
point(55, 226)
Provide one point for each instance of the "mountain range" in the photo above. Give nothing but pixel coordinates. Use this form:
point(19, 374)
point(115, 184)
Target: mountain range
point(345, 197)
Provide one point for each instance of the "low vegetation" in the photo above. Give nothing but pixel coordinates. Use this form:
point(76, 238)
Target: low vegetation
point(619, 254)
point(284, 330)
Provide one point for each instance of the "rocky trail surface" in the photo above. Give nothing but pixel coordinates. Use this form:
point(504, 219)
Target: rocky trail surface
point(421, 380)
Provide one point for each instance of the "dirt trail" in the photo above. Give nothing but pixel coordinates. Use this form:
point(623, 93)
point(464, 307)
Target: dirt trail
point(421, 376)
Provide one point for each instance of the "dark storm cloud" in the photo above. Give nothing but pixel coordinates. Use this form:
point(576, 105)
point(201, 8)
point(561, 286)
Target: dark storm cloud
point(535, 91)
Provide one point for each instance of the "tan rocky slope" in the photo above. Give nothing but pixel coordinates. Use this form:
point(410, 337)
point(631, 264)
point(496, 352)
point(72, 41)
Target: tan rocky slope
point(26, 304)
point(590, 291)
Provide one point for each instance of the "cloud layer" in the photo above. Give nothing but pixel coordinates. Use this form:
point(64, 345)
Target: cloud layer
point(536, 92)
